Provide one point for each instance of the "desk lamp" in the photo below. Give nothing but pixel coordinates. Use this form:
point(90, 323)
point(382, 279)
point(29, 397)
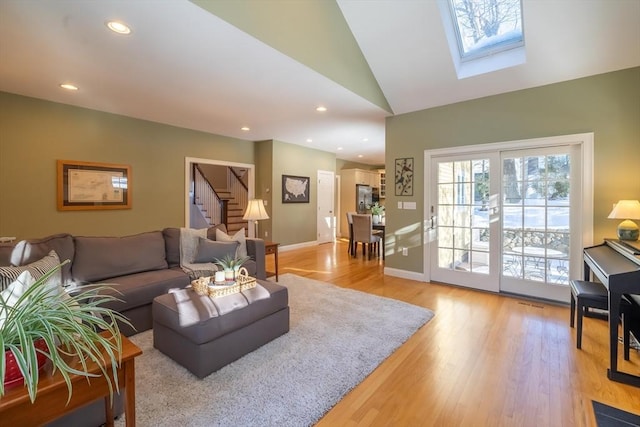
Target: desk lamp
point(255, 212)
point(626, 210)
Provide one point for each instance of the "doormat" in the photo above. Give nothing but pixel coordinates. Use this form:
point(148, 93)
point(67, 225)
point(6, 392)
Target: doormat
point(608, 416)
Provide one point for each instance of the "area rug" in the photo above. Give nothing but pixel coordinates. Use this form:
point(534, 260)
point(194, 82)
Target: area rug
point(337, 337)
point(608, 416)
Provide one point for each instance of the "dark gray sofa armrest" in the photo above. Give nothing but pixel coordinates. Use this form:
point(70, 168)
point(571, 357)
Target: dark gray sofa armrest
point(255, 249)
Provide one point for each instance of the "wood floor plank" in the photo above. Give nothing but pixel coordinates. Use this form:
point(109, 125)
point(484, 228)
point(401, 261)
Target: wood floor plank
point(483, 360)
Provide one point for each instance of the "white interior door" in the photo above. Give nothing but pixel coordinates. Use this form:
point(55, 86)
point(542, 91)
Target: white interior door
point(326, 224)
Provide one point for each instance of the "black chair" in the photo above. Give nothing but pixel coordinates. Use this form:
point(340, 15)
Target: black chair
point(591, 295)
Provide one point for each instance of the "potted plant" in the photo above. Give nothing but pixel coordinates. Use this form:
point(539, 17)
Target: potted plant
point(39, 321)
point(230, 264)
point(376, 212)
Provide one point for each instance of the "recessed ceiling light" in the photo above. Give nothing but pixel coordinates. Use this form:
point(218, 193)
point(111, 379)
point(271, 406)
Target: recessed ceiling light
point(321, 109)
point(118, 27)
point(68, 86)
point(365, 139)
point(339, 148)
point(360, 155)
point(309, 140)
point(245, 128)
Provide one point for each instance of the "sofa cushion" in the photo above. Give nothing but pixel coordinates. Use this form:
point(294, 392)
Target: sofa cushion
point(36, 269)
point(30, 250)
point(239, 237)
point(135, 290)
point(172, 245)
point(6, 249)
point(211, 231)
point(210, 250)
point(100, 258)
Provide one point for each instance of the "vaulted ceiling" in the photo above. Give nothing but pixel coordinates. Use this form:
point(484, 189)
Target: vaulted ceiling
point(217, 66)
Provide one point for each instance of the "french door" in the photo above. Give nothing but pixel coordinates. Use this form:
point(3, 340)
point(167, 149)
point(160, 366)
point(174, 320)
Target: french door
point(467, 227)
point(502, 220)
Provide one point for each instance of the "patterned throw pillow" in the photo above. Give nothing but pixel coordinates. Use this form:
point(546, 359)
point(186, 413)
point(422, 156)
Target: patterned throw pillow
point(37, 269)
point(239, 237)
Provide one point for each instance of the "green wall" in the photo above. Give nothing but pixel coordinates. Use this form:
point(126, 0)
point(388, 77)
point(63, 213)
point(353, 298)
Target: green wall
point(607, 105)
point(296, 222)
point(34, 133)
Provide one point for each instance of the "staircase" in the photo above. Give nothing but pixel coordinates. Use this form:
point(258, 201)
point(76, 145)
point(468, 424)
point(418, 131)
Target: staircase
point(235, 212)
point(221, 205)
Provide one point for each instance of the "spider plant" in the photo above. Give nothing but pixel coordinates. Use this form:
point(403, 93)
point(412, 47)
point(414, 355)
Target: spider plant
point(69, 324)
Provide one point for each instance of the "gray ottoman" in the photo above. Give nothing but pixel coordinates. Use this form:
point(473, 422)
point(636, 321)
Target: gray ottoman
point(204, 334)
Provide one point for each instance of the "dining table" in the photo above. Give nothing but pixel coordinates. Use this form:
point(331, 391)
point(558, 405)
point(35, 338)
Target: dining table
point(380, 226)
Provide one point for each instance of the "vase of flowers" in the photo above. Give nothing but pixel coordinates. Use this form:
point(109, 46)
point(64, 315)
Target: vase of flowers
point(376, 212)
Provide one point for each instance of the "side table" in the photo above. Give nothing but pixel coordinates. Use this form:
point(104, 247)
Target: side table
point(51, 403)
point(272, 248)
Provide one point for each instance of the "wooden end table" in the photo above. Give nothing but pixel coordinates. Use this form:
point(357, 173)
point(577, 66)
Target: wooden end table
point(272, 248)
point(51, 401)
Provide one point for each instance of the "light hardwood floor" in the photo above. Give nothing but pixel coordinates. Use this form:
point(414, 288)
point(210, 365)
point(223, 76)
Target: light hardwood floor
point(483, 360)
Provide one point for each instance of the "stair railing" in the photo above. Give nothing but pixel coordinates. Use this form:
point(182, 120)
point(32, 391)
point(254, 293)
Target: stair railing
point(238, 189)
point(211, 205)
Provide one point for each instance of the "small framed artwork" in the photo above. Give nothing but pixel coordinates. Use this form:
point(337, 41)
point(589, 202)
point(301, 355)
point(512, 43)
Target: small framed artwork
point(295, 189)
point(92, 186)
point(404, 176)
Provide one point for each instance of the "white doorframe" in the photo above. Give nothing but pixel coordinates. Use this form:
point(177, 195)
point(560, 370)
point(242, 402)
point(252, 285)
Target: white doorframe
point(188, 161)
point(584, 141)
point(326, 232)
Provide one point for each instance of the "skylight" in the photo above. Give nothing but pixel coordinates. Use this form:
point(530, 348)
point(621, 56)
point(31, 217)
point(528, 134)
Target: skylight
point(487, 26)
point(483, 35)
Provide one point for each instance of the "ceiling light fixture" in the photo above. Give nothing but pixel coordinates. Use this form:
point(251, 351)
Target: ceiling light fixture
point(339, 148)
point(365, 139)
point(245, 128)
point(360, 156)
point(321, 109)
point(68, 86)
point(309, 140)
point(118, 27)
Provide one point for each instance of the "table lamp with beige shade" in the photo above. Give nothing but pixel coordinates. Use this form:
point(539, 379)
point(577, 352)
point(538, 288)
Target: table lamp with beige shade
point(627, 210)
point(255, 212)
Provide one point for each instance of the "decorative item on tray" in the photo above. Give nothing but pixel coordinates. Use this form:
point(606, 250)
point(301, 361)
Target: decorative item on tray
point(207, 285)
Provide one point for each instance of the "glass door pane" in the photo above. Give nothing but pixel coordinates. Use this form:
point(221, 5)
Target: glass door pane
point(462, 253)
point(535, 220)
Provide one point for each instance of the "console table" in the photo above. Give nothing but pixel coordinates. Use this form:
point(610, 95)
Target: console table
point(272, 248)
point(51, 401)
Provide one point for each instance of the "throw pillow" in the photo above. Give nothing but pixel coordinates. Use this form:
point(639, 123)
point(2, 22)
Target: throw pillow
point(239, 237)
point(209, 250)
point(37, 269)
point(13, 292)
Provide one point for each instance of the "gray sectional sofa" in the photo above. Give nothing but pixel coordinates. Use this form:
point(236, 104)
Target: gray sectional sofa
point(141, 267)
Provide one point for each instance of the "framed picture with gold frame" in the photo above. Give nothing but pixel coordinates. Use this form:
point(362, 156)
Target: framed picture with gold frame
point(93, 186)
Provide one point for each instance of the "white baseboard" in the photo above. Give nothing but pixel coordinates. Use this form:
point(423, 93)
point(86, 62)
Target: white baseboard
point(404, 274)
point(297, 246)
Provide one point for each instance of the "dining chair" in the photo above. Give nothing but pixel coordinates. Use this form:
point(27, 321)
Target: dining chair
point(363, 233)
point(350, 250)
